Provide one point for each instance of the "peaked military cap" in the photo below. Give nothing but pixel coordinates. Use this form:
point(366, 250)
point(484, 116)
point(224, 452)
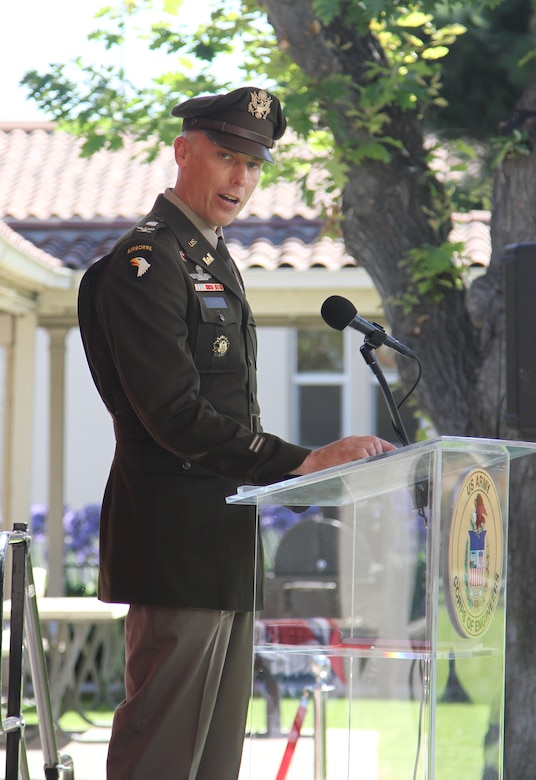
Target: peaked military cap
point(247, 120)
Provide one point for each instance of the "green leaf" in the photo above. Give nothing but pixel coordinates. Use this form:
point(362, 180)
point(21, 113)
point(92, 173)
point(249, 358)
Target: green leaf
point(435, 53)
point(172, 7)
point(414, 19)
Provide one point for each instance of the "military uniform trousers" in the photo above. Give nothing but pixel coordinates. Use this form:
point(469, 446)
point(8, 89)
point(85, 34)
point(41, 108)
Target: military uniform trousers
point(188, 681)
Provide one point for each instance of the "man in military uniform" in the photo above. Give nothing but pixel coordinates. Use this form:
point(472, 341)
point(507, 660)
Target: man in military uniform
point(171, 344)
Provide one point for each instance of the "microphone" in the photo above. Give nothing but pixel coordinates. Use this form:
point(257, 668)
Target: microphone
point(340, 313)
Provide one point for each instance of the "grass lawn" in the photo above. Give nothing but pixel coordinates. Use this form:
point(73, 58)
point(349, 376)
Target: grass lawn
point(71, 721)
point(460, 733)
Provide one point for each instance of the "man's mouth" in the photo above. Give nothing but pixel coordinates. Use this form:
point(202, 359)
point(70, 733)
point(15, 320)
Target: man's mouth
point(231, 199)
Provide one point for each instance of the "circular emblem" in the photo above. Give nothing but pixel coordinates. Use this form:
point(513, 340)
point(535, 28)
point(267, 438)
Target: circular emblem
point(221, 346)
point(475, 554)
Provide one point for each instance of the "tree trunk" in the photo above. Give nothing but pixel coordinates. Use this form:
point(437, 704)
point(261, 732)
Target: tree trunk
point(461, 340)
point(386, 212)
point(514, 221)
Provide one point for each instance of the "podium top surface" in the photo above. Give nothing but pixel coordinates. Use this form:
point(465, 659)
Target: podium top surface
point(382, 473)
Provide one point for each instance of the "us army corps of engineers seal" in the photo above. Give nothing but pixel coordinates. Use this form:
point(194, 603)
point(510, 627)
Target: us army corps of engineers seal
point(475, 554)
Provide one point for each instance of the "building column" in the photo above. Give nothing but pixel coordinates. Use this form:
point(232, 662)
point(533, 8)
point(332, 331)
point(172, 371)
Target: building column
point(17, 336)
point(56, 459)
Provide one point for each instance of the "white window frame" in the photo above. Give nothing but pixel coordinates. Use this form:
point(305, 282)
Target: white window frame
point(325, 378)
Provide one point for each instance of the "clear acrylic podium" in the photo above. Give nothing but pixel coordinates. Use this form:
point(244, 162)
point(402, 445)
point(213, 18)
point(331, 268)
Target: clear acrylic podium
point(384, 617)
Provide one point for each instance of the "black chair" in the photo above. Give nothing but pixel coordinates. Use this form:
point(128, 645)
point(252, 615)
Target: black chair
point(306, 578)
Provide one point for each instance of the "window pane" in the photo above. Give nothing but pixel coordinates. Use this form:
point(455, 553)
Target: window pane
point(320, 414)
point(320, 350)
point(384, 425)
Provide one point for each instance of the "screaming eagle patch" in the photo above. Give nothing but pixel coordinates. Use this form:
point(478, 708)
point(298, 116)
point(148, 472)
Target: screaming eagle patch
point(140, 264)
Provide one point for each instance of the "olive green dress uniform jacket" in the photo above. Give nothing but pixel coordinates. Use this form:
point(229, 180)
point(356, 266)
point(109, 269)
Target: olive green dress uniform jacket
point(171, 345)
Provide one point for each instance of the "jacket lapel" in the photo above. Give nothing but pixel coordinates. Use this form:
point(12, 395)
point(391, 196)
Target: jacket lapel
point(196, 247)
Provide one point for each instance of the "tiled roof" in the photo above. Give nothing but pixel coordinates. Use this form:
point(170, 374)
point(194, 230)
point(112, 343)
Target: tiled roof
point(44, 178)
point(74, 208)
point(473, 230)
point(30, 250)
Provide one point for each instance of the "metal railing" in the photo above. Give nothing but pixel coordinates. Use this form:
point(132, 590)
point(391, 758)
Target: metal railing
point(25, 631)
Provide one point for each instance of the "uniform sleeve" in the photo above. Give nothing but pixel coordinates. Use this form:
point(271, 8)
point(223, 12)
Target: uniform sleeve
point(142, 301)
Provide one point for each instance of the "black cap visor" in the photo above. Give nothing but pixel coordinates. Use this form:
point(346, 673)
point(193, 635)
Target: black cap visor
point(240, 145)
point(240, 140)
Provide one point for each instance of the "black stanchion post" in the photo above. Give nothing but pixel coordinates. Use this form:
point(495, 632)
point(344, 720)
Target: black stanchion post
point(14, 725)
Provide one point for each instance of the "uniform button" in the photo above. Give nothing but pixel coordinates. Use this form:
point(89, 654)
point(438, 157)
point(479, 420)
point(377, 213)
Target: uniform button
point(222, 317)
point(250, 361)
point(187, 465)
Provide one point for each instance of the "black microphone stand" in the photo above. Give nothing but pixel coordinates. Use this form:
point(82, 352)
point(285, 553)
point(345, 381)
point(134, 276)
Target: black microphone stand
point(370, 359)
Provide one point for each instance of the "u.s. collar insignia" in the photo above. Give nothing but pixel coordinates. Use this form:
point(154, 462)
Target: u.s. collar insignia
point(141, 264)
point(259, 104)
point(221, 346)
point(207, 259)
point(192, 242)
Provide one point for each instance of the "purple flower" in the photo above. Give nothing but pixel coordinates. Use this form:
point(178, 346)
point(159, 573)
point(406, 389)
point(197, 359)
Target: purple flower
point(81, 545)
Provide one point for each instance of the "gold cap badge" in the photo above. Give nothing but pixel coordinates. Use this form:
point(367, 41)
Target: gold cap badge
point(259, 104)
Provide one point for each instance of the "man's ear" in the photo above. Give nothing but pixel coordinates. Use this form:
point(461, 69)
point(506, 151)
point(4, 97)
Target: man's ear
point(181, 147)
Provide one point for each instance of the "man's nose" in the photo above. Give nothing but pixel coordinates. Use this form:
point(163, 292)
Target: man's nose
point(240, 172)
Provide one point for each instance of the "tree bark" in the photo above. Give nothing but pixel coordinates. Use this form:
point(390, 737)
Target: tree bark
point(386, 210)
point(461, 340)
point(514, 221)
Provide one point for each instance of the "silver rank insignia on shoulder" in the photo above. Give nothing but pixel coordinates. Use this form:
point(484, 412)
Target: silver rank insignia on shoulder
point(221, 346)
point(207, 259)
point(141, 264)
point(148, 227)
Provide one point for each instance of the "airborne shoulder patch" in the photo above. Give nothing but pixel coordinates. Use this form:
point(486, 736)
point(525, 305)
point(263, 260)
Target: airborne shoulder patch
point(139, 256)
point(140, 264)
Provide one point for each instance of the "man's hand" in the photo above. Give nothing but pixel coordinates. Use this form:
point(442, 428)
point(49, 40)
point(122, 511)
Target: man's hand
point(343, 451)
